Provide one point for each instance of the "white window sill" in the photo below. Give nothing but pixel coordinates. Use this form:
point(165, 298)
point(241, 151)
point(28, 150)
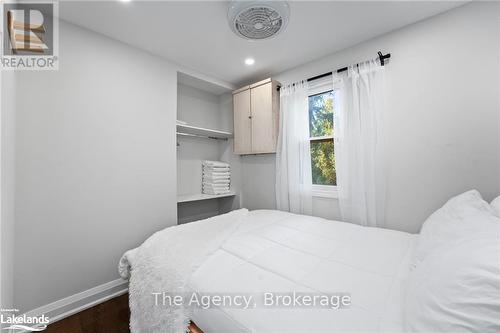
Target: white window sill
point(325, 191)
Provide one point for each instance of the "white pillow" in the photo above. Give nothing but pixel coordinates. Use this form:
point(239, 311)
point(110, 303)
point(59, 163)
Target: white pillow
point(462, 215)
point(457, 289)
point(495, 204)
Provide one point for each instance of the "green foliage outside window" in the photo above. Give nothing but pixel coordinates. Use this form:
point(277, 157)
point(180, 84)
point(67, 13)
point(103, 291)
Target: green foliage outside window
point(322, 150)
point(321, 114)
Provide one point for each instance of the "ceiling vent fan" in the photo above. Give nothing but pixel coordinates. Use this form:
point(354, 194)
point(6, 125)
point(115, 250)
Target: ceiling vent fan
point(257, 20)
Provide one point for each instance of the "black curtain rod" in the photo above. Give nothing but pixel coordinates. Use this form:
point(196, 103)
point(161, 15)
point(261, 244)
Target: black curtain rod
point(381, 57)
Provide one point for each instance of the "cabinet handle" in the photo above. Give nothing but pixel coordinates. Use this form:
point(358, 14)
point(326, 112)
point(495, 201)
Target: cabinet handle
point(249, 117)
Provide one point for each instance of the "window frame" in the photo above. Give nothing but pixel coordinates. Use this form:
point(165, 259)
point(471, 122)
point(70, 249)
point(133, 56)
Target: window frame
point(316, 88)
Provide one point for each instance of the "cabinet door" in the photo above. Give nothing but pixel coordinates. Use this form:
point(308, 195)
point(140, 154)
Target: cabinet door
point(242, 123)
point(264, 119)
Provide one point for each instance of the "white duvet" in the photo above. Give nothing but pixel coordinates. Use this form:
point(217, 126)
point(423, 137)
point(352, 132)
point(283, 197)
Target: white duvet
point(271, 251)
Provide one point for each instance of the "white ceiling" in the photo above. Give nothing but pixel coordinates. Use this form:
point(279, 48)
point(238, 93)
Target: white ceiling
point(196, 34)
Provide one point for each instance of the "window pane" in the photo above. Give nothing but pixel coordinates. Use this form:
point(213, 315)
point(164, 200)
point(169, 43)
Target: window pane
point(323, 162)
point(321, 114)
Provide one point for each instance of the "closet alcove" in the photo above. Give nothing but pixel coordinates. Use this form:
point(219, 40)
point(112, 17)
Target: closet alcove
point(204, 132)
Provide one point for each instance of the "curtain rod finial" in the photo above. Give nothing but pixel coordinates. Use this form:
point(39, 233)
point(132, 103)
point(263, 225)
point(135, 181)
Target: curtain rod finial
point(382, 57)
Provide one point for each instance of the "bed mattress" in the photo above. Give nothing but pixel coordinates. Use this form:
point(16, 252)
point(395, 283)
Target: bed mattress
point(280, 252)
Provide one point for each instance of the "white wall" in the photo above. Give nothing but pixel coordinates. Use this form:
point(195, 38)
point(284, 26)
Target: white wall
point(226, 153)
point(442, 115)
point(95, 169)
point(258, 181)
point(7, 140)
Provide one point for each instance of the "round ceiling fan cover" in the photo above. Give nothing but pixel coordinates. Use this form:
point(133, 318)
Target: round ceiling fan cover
point(257, 20)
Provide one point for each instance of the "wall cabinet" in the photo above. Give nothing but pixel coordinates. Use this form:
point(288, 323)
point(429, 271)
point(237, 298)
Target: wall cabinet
point(256, 112)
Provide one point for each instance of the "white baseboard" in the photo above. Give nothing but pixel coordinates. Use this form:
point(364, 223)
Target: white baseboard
point(68, 306)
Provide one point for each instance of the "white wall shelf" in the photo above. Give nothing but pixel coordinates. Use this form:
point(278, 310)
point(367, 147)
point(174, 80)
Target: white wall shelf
point(201, 196)
point(188, 130)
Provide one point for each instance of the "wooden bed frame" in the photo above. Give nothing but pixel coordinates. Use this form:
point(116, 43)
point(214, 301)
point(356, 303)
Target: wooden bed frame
point(194, 329)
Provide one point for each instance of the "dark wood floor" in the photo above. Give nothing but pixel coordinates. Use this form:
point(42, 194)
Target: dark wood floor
point(109, 317)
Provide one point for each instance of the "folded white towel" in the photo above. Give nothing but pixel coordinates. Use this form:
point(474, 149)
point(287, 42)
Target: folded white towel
point(214, 164)
point(215, 192)
point(216, 174)
point(207, 187)
point(213, 178)
point(216, 169)
point(216, 181)
point(217, 186)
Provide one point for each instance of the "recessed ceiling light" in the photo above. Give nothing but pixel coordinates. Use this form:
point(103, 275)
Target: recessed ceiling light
point(249, 61)
point(125, 0)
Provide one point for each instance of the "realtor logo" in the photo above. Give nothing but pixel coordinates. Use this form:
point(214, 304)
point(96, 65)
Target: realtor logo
point(29, 35)
point(26, 31)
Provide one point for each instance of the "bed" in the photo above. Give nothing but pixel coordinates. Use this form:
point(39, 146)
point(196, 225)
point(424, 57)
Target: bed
point(282, 252)
point(256, 252)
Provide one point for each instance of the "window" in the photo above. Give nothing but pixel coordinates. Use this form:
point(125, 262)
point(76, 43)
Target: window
point(321, 108)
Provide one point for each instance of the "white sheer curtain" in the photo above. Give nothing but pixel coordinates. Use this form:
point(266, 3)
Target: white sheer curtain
point(359, 146)
point(293, 161)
